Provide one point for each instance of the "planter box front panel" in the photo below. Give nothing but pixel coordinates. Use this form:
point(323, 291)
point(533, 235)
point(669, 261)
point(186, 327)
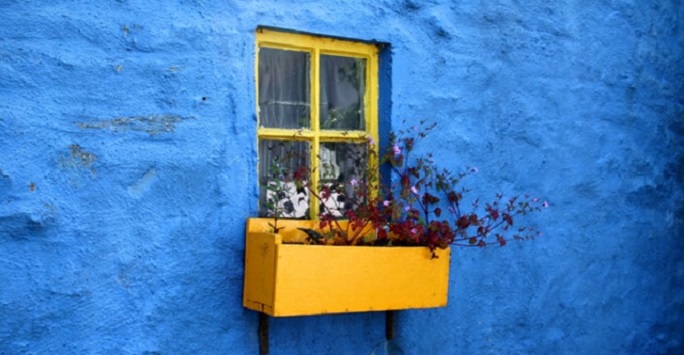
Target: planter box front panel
point(294, 279)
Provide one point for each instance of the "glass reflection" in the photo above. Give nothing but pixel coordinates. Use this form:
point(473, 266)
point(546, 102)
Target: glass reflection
point(342, 173)
point(343, 82)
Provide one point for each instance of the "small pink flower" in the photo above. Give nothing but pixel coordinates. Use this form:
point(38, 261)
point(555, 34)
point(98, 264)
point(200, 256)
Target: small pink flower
point(396, 149)
point(371, 141)
point(545, 204)
point(414, 190)
point(353, 182)
point(385, 203)
point(414, 231)
point(407, 208)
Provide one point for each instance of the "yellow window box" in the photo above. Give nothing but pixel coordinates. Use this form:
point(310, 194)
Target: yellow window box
point(288, 279)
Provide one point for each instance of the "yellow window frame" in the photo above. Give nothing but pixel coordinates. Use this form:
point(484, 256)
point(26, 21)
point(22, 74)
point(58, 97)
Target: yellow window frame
point(317, 45)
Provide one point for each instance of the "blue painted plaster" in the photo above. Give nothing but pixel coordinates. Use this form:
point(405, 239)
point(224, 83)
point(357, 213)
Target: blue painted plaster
point(128, 161)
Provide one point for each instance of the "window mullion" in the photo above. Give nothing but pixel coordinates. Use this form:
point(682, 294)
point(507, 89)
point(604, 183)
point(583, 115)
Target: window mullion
point(315, 128)
point(371, 112)
point(315, 89)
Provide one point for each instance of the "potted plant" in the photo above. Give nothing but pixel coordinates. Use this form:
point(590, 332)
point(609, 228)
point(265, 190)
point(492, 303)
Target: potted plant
point(392, 229)
point(414, 211)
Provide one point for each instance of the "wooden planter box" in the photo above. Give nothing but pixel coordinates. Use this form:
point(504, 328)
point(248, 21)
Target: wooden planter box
point(294, 279)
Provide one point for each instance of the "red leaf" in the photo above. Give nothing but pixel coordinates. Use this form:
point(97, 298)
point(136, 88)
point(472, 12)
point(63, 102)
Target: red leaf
point(453, 196)
point(382, 234)
point(494, 213)
point(463, 222)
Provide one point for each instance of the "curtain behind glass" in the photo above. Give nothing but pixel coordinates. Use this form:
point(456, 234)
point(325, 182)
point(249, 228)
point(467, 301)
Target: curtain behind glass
point(284, 88)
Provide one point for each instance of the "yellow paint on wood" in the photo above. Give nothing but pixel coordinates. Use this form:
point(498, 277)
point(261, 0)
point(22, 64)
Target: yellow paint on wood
point(295, 279)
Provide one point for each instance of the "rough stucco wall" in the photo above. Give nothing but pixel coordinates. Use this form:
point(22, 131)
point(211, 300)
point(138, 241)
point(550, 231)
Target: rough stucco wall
point(127, 171)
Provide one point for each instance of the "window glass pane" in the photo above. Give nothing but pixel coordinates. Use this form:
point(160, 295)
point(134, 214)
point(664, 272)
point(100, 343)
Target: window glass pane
point(343, 171)
point(284, 88)
point(343, 85)
point(278, 193)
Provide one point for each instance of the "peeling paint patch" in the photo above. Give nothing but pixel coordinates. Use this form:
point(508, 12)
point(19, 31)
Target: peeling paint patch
point(78, 159)
point(152, 124)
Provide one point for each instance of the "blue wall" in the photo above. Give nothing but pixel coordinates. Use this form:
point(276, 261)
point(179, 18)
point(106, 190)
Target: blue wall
point(128, 162)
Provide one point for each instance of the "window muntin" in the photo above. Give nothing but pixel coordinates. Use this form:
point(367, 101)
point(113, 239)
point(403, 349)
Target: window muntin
point(319, 91)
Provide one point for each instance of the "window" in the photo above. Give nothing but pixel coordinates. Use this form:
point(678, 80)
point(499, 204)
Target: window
point(317, 103)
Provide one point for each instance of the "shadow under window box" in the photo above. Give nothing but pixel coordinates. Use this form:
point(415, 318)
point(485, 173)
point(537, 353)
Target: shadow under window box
point(286, 278)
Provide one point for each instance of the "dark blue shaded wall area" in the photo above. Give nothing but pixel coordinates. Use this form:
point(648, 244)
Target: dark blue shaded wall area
point(128, 169)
